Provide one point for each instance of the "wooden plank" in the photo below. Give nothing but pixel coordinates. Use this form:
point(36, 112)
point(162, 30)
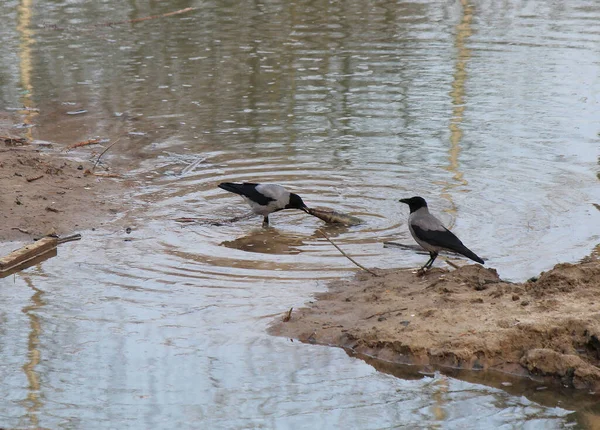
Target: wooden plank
point(27, 252)
point(35, 260)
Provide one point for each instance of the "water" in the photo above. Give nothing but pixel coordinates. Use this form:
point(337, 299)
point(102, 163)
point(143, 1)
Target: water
point(488, 110)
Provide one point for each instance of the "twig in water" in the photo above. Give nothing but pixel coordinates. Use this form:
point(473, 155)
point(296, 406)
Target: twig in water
point(420, 250)
point(416, 248)
point(190, 167)
point(103, 152)
point(403, 246)
point(288, 315)
point(186, 220)
point(216, 222)
point(346, 255)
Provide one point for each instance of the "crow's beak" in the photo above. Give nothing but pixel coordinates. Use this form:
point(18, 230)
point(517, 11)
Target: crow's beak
point(403, 201)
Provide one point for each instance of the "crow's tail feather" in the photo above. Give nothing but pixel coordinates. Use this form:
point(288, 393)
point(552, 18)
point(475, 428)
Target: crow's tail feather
point(470, 254)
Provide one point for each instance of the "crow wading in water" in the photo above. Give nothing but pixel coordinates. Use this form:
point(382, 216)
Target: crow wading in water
point(264, 199)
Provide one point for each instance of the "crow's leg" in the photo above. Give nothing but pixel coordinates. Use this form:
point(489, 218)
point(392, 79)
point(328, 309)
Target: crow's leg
point(266, 221)
point(432, 257)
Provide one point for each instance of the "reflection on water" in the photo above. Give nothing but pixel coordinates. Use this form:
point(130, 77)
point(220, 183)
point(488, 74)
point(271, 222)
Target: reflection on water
point(267, 242)
point(535, 390)
point(271, 241)
point(463, 31)
point(488, 110)
point(33, 403)
point(25, 64)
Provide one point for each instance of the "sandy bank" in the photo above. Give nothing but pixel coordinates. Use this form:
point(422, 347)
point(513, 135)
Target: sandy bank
point(467, 318)
point(46, 189)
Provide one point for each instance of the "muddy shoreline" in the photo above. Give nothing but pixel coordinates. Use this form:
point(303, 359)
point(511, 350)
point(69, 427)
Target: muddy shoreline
point(49, 190)
point(546, 329)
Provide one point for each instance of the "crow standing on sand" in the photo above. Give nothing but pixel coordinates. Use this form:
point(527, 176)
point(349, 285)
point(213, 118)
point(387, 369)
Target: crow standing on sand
point(430, 233)
point(265, 199)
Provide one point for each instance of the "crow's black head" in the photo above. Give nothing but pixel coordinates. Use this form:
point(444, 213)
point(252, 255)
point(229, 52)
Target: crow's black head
point(415, 203)
point(296, 203)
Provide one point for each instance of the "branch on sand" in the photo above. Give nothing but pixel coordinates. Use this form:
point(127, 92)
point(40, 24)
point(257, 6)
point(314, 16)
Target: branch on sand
point(378, 314)
point(83, 143)
point(346, 255)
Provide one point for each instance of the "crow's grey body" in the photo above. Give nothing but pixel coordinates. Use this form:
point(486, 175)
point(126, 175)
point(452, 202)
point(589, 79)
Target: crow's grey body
point(264, 199)
point(430, 233)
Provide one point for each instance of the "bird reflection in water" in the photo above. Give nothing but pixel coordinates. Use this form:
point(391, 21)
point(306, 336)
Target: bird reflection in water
point(274, 241)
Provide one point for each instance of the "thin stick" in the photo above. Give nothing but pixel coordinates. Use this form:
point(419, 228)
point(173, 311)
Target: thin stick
point(378, 314)
point(34, 178)
point(103, 152)
point(190, 220)
point(450, 263)
point(346, 255)
point(288, 315)
point(402, 245)
point(415, 248)
point(82, 143)
point(69, 238)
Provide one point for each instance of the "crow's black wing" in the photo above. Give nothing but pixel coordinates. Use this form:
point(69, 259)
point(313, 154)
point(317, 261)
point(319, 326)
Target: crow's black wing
point(247, 189)
point(445, 239)
point(441, 238)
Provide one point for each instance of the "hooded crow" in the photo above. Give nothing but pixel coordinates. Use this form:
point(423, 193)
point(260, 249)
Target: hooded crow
point(265, 199)
point(431, 234)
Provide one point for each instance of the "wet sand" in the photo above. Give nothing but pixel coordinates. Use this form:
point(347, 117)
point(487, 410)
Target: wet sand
point(546, 328)
point(47, 189)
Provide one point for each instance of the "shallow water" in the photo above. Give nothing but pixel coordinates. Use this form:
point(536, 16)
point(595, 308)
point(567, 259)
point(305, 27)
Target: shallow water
point(488, 110)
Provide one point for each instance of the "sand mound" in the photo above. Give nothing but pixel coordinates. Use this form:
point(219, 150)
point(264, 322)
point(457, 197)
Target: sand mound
point(467, 318)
